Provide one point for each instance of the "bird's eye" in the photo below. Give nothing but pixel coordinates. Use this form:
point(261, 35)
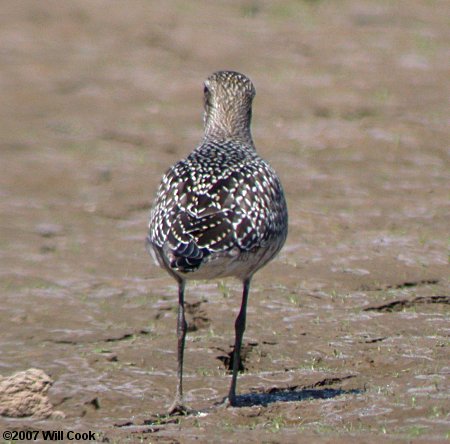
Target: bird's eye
point(206, 97)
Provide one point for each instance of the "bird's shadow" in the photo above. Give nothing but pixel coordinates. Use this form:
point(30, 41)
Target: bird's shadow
point(290, 395)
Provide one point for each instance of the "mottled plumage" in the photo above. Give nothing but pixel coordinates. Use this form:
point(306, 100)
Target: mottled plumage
point(221, 211)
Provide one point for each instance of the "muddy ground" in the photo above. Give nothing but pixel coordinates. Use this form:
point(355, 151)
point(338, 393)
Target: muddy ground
point(348, 329)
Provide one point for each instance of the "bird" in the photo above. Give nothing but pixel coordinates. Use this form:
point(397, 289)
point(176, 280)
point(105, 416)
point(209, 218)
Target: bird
point(220, 212)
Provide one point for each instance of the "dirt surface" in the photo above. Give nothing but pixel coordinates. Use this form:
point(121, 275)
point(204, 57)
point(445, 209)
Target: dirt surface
point(348, 329)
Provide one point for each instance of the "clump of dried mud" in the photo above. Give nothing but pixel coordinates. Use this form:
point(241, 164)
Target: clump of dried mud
point(24, 394)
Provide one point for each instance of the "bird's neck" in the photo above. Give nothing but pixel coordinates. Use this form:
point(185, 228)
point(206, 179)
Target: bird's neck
point(228, 125)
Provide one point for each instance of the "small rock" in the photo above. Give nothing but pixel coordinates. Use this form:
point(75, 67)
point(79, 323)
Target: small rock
point(48, 230)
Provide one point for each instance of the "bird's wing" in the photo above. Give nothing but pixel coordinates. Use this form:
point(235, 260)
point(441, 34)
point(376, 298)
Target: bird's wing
point(200, 216)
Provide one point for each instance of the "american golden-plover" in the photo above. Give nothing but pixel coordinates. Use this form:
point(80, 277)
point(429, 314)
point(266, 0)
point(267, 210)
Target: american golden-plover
point(220, 211)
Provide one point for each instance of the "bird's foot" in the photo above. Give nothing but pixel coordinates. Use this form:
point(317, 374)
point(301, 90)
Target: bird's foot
point(227, 402)
point(179, 409)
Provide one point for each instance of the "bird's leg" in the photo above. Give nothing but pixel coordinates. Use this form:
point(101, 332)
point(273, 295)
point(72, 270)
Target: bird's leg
point(177, 406)
point(239, 332)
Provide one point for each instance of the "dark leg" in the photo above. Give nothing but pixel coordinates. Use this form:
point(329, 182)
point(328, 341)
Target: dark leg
point(239, 331)
point(177, 406)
